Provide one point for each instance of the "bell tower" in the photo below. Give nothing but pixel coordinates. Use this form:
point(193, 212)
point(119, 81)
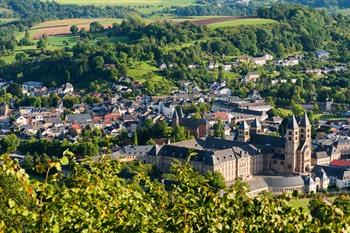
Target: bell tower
point(305, 140)
point(292, 144)
point(243, 132)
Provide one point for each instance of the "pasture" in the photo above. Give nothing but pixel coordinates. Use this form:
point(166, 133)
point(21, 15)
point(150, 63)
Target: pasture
point(239, 22)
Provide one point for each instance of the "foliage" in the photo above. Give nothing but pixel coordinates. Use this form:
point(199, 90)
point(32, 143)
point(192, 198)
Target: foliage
point(94, 198)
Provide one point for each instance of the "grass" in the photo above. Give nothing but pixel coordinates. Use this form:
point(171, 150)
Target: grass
point(141, 70)
point(297, 203)
point(238, 22)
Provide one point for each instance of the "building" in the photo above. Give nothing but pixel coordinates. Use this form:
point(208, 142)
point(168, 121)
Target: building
point(338, 176)
point(233, 160)
point(289, 155)
point(197, 127)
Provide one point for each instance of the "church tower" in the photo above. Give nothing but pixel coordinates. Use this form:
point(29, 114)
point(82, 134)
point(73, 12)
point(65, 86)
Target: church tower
point(175, 119)
point(292, 144)
point(243, 132)
point(306, 145)
point(255, 127)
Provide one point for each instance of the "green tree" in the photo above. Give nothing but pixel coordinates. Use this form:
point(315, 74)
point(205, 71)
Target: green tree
point(9, 143)
point(74, 29)
point(219, 129)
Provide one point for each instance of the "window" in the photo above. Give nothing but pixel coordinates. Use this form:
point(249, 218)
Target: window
point(275, 161)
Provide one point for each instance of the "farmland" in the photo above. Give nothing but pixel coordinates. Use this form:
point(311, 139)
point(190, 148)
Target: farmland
point(61, 27)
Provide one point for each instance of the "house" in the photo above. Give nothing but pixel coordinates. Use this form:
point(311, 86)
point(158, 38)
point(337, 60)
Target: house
point(322, 54)
point(320, 158)
point(338, 176)
point(78, 119)
point(68, 89)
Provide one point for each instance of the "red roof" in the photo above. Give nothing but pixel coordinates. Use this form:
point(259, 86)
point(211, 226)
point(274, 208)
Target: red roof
point(340, 163)
point(221, 116)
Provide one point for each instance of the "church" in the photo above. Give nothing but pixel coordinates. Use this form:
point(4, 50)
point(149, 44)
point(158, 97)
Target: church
point(251, 152)
point(287, 155)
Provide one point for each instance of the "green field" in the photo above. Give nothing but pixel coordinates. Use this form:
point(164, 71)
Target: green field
point(238, 22)
point(345, 11)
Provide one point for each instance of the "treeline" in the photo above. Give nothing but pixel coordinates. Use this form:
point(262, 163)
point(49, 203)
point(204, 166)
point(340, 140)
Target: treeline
point(225, 9)
point(38, 11)
point(323, 3)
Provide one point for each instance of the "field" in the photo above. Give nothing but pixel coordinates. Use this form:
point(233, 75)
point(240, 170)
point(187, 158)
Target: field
point(62, 27)
point(241, 21)
point(6, 20)
point(345, 11)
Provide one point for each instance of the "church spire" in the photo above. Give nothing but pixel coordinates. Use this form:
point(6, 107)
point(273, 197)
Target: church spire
point(305, 121)
point(293, 124)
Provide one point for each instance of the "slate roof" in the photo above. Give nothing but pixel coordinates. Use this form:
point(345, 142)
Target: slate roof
point(320, 155)
point(191, 123)
point(284, 181)
point(292, 124)
point(278, 156)
point(244, 125)
point(338, 172)
point(221, 144)
point(182, 153)
point(256, 184)
point(256, 123)
point(79, 118)
point(266, 140)
point(305, 121)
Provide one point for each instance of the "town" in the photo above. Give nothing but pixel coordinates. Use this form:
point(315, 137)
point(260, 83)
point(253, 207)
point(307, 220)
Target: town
point(240, 138)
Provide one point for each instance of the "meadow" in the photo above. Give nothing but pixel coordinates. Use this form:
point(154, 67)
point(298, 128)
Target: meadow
point(242, 21)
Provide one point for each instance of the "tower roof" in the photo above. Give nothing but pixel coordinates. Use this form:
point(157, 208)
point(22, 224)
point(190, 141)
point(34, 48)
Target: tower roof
point(181, 113)
point(175, 115)
point(244, 125)
point(305, 121)
point(256, 123)
point(293, 124)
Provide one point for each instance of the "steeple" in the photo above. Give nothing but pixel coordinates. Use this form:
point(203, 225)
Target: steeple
point(256, 127)
point(293, 124)
point(244, 125)
point(175, 120)
point(305, 121)
point(243, 132)
point(181, 113)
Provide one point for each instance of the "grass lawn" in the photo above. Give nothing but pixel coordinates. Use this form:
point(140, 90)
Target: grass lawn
point(140, 71)
point(238, 22)
point(297, 203)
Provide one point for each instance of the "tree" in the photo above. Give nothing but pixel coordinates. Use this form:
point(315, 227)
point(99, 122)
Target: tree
point(74, 29)
point(179, 133)
point(64, 203)
point(9, 143)
point(216, 179)
point(43, 42)
point(136, 140)
point(219, 129)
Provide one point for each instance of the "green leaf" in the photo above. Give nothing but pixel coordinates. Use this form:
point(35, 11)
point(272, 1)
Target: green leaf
point(12, 203)
point(64, 160)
